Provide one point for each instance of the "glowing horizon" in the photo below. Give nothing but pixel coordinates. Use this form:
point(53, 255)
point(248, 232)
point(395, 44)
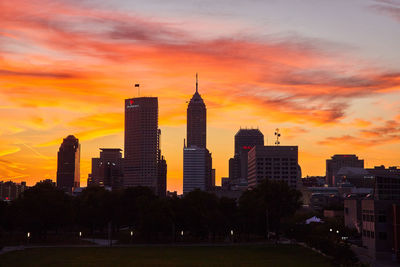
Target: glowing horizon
point(329, 82)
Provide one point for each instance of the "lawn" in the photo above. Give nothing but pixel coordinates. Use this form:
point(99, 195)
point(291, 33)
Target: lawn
point(255, 255)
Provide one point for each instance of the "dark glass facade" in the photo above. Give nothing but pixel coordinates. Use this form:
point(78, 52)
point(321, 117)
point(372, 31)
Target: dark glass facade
point(142, 144)
point(68, 164)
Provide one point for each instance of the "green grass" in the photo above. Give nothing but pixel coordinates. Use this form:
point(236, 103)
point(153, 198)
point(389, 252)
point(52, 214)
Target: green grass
point(255, 255)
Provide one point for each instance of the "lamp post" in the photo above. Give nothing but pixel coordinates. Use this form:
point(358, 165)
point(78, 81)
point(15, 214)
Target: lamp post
point(131, 236)
point(28, 236)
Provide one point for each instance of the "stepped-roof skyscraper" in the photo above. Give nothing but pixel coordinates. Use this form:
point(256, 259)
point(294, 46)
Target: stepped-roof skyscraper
point(196, 120)
point(197, 160)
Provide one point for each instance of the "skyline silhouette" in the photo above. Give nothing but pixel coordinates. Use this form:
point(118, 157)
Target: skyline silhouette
point(329, 82)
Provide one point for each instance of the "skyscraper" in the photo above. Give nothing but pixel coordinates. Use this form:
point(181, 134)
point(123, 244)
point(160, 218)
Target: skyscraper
point(197, 160)
point(196, 120)
point(68, 164)
point(142, 146)
point(334, 164)
point(107, 170)
point(245, 139)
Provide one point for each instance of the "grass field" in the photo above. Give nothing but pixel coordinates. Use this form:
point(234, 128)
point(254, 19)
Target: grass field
point(255, 255)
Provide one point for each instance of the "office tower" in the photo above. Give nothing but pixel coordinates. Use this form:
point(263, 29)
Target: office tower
point(142, 144)
point(334, 164)
point(197, 173)
point(107, 170)
point(197, 160)
point(68, 164)
point(274, 163)
point(245, 139)
point(196, 120)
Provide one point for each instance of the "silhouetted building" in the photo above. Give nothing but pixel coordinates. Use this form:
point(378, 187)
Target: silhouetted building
point(10, 190)
point(245, 139)
point(387, 182)
point(107, 170)
point(68, 164)
point(376, 216)
point(225, 184)
point(212, 178)
point(274, 163)
point(313, 181)
point(354, 177)
point(334, 164)
point(196, 121)
point(197, 160)
point(162, 177)
point(197, 171)
point(142, 143)
point(396, 230)
point(378, 224)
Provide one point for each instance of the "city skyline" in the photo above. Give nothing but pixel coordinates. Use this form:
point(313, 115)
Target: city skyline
point(329, 82)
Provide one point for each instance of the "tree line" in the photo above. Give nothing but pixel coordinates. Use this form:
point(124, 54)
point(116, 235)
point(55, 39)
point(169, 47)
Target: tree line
point(198, 216)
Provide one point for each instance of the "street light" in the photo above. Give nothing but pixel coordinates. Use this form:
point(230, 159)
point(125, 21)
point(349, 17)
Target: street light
point(182, 233)
point(231, 232)
point(28, 235)
point(131, 236)
point(80, 234)
point(337, 231)
point(330, 230)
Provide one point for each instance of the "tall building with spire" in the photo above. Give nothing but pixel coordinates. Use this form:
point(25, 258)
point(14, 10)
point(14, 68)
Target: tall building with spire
point(196, 120)
point(197, 160)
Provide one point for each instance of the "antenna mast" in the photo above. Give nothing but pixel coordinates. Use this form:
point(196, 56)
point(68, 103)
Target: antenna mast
point(278, 135)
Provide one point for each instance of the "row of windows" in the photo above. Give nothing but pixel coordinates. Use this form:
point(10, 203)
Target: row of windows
point(371, 218)
point(371, 234)
point(367, 233)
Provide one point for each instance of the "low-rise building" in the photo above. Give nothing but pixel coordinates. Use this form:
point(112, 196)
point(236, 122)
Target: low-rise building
point(10, 190)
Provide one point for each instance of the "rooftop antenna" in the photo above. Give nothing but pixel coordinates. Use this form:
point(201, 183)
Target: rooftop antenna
point(197, 82)
point(278, 135)
point(138, 88)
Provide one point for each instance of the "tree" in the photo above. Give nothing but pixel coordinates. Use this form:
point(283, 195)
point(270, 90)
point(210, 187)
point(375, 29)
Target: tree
point(41, 208)
point(274, 200)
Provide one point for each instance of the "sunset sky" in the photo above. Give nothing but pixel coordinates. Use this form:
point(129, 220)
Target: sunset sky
point(326, 73)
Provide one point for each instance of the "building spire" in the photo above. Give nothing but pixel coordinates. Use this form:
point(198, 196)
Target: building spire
point(197, 83)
